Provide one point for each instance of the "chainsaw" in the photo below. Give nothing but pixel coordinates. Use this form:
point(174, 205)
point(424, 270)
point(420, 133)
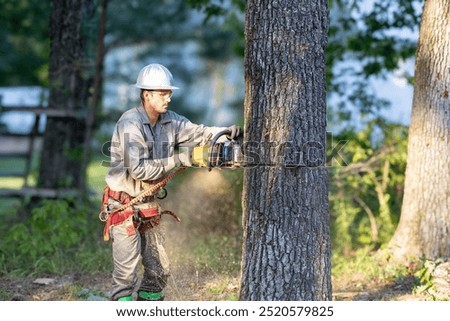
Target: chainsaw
point(213, 154)
point(218, 154)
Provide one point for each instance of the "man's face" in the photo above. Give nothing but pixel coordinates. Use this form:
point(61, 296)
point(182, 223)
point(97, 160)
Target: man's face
point(159, 100)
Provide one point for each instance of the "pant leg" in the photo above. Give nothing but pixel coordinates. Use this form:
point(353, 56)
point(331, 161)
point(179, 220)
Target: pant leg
point(126, 255)
point(154, 260)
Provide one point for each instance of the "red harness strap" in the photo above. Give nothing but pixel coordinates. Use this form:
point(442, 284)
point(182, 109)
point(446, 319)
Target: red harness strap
point(149, 212)
point(123, 213)
point(117, 217)
point(114, 219)
point(121, 197)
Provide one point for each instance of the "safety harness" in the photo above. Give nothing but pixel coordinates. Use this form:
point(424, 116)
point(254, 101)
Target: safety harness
point(141, 219)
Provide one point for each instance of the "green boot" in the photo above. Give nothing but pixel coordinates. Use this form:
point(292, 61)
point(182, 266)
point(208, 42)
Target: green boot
point(150, 296)
point(126, 298)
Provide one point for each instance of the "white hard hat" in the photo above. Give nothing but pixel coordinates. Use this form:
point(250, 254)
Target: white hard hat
point(155, 76)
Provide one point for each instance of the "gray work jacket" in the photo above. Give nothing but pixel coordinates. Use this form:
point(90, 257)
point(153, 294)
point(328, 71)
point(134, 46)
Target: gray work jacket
point(141, 153)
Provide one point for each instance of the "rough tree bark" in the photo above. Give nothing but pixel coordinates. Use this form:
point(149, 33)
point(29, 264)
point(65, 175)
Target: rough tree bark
point(61, 157)
point(286, 252)
point(424, 228)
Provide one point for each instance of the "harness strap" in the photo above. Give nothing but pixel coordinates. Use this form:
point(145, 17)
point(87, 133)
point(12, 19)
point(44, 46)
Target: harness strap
point(121, 197)
point(151, 191)
point(149, 212)
point(123, 213)
point(114, 219)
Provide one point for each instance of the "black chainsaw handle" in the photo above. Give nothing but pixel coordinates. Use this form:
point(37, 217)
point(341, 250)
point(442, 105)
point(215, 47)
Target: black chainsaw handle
point(226, 131)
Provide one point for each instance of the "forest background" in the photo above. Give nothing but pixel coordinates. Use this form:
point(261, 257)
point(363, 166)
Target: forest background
point(202, 43)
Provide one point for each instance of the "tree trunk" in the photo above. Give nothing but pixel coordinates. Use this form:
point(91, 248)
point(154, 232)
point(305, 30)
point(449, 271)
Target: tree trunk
point(286, 253)
point(61, 158)
point(424, 228)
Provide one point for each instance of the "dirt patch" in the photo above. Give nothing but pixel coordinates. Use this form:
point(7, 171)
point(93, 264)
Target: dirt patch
point(66, 288)
point(357, 288)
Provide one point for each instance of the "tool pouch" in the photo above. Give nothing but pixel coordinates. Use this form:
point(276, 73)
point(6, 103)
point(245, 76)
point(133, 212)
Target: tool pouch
point(147, 218)
point(141, 216)
point(151, 217)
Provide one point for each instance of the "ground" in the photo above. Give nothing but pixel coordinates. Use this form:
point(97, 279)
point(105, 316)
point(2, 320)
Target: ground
point(188, 285)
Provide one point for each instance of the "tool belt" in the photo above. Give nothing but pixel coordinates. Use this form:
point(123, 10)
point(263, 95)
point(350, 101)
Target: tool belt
point(140, 219)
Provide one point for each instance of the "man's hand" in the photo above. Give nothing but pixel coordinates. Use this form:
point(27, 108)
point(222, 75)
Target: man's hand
point(235, 131)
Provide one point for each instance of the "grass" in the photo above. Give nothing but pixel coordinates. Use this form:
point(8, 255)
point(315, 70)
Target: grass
point(11, 182)
point(8, 164)
point(5, 295)
point(96, 175)
point(367, 265)
point(7, 206)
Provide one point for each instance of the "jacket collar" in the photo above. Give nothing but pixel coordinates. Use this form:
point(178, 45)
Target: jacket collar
point(163, 118)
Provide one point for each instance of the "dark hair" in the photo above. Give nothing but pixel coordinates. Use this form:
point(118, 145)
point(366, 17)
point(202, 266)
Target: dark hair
point(142, 95)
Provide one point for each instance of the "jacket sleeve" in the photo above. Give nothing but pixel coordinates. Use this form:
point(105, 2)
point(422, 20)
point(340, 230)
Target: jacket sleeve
point(136, 156)
point(190, 134)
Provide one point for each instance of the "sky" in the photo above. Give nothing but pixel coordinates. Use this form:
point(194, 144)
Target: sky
point(399, 92)
point(23, 97)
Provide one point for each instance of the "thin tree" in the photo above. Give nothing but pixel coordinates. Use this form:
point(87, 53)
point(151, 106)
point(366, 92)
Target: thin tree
point(424, 228)
point(286, 254)
point(62, 152)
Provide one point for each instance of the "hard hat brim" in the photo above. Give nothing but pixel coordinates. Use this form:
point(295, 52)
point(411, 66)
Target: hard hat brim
point(155, 87)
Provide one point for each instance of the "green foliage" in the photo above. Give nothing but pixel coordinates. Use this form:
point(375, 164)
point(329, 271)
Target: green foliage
point(364, 265)
point(227, 17)
point(5, 295)
point(209, 7)
point(365, 192)
point(425, 277)
point(217, 8)
point(136, 22)
point(366, 41)
point(427, 283)
point(25, 43)
point(373, 35)
point(58, 237)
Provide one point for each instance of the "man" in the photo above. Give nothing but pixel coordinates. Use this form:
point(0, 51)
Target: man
point(142, 153)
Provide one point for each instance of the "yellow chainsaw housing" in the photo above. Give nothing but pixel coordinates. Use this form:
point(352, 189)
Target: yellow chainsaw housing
point(200, 156)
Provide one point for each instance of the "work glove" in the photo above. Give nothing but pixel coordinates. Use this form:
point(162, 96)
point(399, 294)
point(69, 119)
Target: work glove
point(235, 131)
